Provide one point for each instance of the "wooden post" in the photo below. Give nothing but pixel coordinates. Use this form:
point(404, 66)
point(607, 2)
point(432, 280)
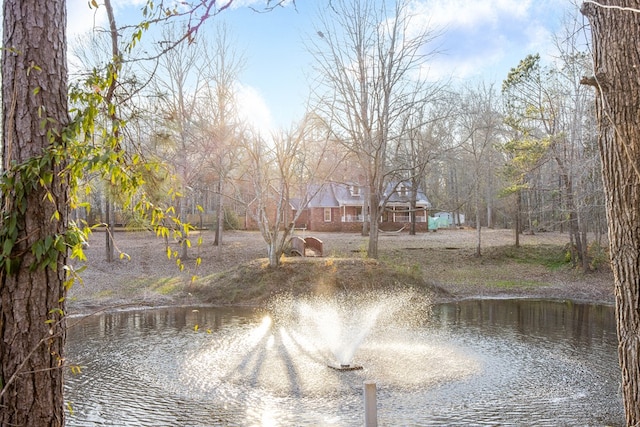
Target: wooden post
point(370, 405)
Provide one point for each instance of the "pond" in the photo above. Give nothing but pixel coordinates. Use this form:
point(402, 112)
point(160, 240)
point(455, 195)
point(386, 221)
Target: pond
point(480, 362)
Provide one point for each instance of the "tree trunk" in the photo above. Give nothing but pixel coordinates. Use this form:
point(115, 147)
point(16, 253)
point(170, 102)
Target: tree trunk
point(585, 243)
point(478, 225)
point(615, 35)
point(109, 227)
point(115, 55)
point(276, 245)
point(412, 208)
point(374, 206)
point(579, 251)
point(530, 225)
point(274, 255)
point(219, 217)
point(182, 214)
point(412, 218)
point(366, 214)
point(490, 202)
point(34, 80)
point(518, 224)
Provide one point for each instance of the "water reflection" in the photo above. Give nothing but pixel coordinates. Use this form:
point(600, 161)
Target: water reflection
point(475, 362)
point(577, 323)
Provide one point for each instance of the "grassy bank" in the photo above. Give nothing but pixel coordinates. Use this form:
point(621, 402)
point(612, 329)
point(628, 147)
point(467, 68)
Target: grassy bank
point(442, 265)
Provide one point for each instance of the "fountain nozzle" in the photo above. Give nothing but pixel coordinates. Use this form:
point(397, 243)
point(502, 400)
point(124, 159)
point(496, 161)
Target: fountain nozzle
point(346, 367)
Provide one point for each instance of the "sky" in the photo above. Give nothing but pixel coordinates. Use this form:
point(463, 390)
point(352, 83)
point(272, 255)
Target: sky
point(480, 40)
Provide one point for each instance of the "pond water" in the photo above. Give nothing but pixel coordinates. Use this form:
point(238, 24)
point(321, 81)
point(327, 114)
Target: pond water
point(479, 362)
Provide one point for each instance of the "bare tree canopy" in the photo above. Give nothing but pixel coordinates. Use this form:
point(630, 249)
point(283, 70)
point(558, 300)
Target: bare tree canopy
point(371, 68)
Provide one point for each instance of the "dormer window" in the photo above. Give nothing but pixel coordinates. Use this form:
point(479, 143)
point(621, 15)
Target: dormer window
point(355, 190)
point(402, 190)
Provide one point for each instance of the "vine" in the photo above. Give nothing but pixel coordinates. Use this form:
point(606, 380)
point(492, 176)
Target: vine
point(73, 154)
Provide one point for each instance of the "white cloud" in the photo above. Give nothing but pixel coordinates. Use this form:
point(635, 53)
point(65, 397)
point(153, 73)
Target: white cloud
point(443, 67)
point(539, 37)
point(81, 18)
point(254, 110)
point(449, 14)
point(481, 37)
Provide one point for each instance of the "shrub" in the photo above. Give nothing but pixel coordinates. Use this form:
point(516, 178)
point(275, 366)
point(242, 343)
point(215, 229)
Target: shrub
point(598, 256)
point(231, 221)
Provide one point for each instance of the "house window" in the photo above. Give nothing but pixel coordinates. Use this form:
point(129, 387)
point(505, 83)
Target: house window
point(403, 190)
point(355, 190)
point(327, 214)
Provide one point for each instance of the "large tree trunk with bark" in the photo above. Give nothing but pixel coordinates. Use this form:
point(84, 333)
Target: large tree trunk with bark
point(34, 88)
point(616, 58)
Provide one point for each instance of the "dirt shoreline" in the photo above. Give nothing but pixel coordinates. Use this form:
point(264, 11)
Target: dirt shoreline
point(444, 259)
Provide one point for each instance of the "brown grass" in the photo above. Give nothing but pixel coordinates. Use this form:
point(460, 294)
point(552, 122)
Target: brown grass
point(442, 264)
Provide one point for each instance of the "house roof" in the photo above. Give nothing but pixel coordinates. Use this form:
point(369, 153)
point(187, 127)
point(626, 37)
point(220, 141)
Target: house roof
point(348, 194)
point(398, 198)
point(323, 196)
point(344, 194)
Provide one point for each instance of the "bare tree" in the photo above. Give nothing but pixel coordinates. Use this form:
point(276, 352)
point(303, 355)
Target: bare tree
point(369, 65)
point(282, 170)
point(423, 142)
point(441, 176)
point(480, 128)
point(576, 154)
point(615, 29)
point(219, 124)
point(175, 87)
